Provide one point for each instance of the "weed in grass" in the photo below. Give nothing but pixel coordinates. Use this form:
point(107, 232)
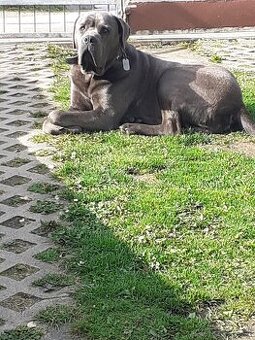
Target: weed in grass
point(59, 314)
point(44, 153)
point(190, 138)
point(46, 228)
point(215, 58)
point(37, 125)
point(22, 333)
point(45, 207)
point(43, 188)
point(49, 255)
point(42, 138)
point(38, 114)
point(56, 280)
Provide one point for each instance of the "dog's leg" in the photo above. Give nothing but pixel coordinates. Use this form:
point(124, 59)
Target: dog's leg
point(171, 125)
point(70, 121)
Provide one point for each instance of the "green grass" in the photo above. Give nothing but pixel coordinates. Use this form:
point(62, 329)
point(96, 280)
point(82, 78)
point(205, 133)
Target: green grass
point(215, 58)
point(43, 188)
point(45, 207)
point(49, 255)
point(59, 314)
point(170, 257)
point(246, 81)
point(60, 88)
point(56, 280)
point(22, 333)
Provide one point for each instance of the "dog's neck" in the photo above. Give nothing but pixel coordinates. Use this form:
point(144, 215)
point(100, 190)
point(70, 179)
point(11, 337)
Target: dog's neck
point(114, 69)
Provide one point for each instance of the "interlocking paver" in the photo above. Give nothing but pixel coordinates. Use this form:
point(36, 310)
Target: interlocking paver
point(235, 54)
point(23, 90)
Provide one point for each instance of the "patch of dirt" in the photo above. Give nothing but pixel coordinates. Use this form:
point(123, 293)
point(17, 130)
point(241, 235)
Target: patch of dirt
point(248, 332)
point(245, 148)
point(61, 333)
point(148, 178)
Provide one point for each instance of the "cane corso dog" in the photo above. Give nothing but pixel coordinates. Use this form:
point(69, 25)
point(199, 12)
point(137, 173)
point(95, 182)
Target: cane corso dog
point(114, 85)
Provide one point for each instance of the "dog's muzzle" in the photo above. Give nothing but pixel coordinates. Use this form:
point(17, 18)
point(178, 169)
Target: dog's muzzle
point(88, 56)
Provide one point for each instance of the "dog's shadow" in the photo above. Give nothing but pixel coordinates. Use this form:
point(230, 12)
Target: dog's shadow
point(120, 293)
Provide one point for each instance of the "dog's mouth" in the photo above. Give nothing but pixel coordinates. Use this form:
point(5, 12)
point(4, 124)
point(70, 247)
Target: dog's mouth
point(89, 64)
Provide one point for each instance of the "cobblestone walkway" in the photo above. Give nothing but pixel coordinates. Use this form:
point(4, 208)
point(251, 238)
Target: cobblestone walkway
point(24, 76)
point(235, 54)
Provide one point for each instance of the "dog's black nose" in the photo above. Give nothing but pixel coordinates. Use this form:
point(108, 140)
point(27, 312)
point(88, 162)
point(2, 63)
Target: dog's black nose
point(89, 39)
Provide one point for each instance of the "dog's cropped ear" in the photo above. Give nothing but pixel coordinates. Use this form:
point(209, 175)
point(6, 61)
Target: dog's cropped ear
point(124, 32)
point(74, 30)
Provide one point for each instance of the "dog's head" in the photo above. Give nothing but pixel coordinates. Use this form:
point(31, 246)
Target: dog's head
point(99, 39)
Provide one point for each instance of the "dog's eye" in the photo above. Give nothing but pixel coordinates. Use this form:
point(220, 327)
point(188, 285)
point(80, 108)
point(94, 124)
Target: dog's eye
point(104, 30)
point(82, 28)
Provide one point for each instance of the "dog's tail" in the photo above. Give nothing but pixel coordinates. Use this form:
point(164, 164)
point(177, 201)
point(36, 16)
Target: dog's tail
point(247, 123)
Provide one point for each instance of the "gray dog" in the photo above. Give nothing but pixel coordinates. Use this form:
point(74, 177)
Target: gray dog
point(114, 85)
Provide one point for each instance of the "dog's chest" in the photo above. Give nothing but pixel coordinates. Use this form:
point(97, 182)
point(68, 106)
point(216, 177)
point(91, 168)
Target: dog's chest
point(98, 92)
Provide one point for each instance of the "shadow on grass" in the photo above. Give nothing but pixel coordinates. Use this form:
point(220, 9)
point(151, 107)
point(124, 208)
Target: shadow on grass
point(120, 296)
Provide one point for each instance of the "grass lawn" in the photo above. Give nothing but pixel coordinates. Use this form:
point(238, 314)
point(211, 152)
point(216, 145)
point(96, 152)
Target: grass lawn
point(161, 231)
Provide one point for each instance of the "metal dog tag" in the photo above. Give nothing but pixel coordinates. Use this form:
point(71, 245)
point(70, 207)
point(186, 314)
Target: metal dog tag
point(125, 63)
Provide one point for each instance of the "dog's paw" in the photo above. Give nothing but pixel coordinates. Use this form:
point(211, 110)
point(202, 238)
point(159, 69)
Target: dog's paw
point(54, 129)
point(127, 128)
point(55, 117)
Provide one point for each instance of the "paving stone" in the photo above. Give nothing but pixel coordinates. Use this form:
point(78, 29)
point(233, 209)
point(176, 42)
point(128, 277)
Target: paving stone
point(40, 169)
point(16, 148)
point(17, 246)
point(19, 272)
point(16, 162)
point(17, 134)
point(23, 233)
point(18, 112)
point(18, 122)
point(15, 180)
point(16, 200)
point(20, 301)
point(17, 222)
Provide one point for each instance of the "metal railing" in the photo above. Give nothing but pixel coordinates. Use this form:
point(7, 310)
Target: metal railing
point(43, 18)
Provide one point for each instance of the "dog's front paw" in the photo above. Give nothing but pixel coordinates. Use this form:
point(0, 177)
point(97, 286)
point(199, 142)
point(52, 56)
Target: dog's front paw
point(55, 117)
point(127, 128)
point(53, 129)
